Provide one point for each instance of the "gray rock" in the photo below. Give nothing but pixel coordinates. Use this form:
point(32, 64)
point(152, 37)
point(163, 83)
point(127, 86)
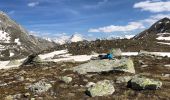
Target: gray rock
point(123, 79)
point(19, 78)
point(17, 96)
point(32, 59)
point(141, 83)
point(146, 53)
point(66, 79)
point(39, 87)
point(116, 52)
point(27, 94)
point(22, 72)
point(124, 65)
point(101, 88)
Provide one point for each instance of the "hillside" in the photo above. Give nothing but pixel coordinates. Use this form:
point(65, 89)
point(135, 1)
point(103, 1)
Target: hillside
point(15, 41)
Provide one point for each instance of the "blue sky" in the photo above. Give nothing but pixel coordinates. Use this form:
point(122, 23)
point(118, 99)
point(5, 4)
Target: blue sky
point(90, 18)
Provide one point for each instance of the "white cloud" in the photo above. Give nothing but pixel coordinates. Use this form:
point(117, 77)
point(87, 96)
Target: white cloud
point(33, 4)
point(154, 6)
point(140, 24)
point(152, 19)
point(113, 28)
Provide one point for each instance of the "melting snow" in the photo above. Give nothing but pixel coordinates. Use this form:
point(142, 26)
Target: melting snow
point(17, 41)
point(65, 56)
point(11, 54)
point(163, 43)
point(3, 64)
point(4, 37)
point(163, 38)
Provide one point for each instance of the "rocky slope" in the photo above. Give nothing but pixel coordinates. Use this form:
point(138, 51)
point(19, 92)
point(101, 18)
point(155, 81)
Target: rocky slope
point(16, 42)
point(161, 26)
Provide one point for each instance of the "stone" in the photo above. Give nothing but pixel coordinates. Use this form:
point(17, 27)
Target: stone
point(9, 97)
point(32, 59)
point(66, 79)
point(116, 52)
point(71, 94)
point(123, 65)
point(19, 78)
point(123, 79)
point(101, 88)
point(27, 95)
point(143, 83)
point(22, 72)
point(39, 87)
point(17, 96)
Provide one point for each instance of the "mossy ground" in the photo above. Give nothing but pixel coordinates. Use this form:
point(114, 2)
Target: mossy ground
point(76, 90)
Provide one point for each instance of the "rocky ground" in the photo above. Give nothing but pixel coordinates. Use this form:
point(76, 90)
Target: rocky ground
point(102, 46)
point(54, 81)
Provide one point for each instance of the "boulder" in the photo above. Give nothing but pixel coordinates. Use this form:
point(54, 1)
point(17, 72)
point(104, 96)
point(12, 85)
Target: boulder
point(39, 87)
point(101, 88)
point(95, 66)
point(142, 83)
point(66, 79)
point(123, 65)
point(116, 52)
point(32, 59)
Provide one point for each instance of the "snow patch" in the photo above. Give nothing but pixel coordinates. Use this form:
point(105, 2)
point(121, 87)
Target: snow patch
point(136, 53)
point(4, 37)
point(11, 54)
point(164, 43)
point(50, 55)
point(128, 36)
point(65, 56)
point(163, 38)
point(17, 41)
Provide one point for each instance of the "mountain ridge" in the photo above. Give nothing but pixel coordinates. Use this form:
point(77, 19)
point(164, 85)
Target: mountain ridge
point(11, 31)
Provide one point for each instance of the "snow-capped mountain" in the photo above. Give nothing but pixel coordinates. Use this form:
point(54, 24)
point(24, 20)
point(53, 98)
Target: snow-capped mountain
point(68, 39)
point(76, 38)
point(15, 41)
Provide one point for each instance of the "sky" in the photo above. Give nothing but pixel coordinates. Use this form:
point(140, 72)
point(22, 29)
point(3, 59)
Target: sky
point(88, 18)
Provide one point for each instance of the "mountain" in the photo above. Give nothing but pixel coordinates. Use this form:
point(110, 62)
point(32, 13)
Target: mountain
point(76, 38)
point(68, 39)
point(15, 41)
point(159, 29)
